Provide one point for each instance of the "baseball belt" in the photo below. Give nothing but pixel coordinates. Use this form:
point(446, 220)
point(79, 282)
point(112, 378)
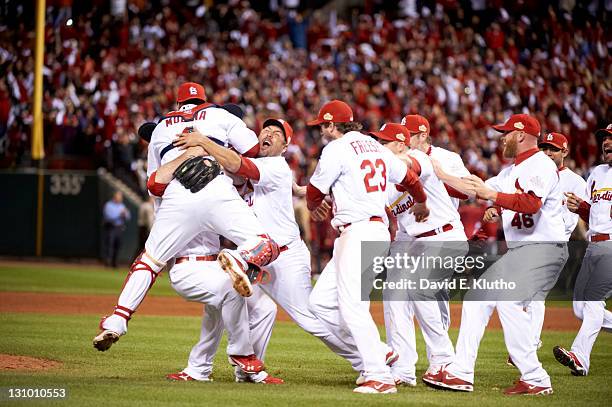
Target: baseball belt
point(436, 231)
point(210, 257)
point(372, 219)
point(600, 237)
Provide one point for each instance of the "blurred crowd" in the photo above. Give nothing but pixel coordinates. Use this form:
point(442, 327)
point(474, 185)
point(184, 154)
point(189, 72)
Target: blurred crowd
point(111, 65)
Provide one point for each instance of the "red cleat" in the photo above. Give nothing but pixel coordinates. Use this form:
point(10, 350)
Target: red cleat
point(272, 380)
point(446, 381)
point(522, 388)
point(375, 387)
point(184, 377)
point(248, 364)
point(569, 359)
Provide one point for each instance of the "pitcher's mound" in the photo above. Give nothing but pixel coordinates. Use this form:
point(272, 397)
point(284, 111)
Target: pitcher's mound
point(13, 362)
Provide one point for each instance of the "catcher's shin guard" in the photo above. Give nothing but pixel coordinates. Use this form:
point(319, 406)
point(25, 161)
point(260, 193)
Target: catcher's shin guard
point(261, 252)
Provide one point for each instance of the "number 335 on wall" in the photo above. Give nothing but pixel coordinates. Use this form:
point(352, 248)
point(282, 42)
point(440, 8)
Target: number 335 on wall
point(66, 184)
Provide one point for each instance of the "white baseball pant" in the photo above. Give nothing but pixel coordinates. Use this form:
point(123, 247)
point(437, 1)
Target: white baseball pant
point(540, 264)
point(207, 283)
point(593, 286)
point(432, 314)
point(290, 286)
point(261, 315)
point(336, 299)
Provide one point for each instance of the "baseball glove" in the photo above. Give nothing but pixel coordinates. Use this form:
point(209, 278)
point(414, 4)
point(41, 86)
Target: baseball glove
point(195, 173)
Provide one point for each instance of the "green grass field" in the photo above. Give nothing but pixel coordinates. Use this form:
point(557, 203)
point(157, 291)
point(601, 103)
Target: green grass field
point(132, 372)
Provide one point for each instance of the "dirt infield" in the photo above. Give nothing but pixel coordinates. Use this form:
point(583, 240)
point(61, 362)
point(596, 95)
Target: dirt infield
point(15, 362)
point(558, 319)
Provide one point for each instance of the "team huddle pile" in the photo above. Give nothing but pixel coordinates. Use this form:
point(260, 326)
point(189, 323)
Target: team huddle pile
point(214, 177)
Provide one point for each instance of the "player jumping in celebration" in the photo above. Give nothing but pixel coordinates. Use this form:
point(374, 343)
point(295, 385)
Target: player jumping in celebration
point(356, 170)
point(183, 214)
point(594, 282)
point(529, 193)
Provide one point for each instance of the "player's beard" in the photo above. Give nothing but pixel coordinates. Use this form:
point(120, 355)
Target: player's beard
point(510, 147)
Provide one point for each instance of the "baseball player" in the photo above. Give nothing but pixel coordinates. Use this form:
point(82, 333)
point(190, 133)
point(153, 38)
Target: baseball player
point(356, 170)
point(450, 162)
point(443, 225)
point(555, 146)
point(594, 282)
point(269, 185)
point(529, 193)
point(183, 215)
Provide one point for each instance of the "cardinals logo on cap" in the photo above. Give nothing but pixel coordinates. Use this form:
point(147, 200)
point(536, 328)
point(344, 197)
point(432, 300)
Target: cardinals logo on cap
point(328, 116)
point(400, 137)
point(193, 90)
point(519, 125)
point(422, 127)
point(549, 137)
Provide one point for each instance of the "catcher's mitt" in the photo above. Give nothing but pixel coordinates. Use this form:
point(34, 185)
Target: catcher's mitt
point(197, 172)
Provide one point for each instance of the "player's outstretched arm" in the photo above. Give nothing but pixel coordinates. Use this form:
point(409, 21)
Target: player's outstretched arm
point(228, 159)
point(523, 202)
point(459, 184)
point(164, 173)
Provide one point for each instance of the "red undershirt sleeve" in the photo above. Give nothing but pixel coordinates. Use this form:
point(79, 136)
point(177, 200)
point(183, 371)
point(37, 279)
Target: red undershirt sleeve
point(155, 188)
point(248, 169)
point(584, 211)
point(412, 184)
point(523, 203)
point(252, 153)
point(453, 193)
point(314, 197)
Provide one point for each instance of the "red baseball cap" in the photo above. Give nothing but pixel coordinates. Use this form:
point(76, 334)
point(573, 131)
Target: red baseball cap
point(190, 90)
point(524, 122)
point(335, 111)
point(416, 123)
point(392, 132)
point(285, 127)
point(554, 139)
point(604, 132)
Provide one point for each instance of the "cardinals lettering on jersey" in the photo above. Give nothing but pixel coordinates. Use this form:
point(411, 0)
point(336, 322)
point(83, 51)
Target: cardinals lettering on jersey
point(603, 194)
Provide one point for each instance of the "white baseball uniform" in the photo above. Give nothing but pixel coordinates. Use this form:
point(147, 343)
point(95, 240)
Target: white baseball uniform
point(594, 282)
point(183, 215)
point(451, 164)
point(569, 181)
point(433, 314)
point(357, 170)
point(532, 258)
